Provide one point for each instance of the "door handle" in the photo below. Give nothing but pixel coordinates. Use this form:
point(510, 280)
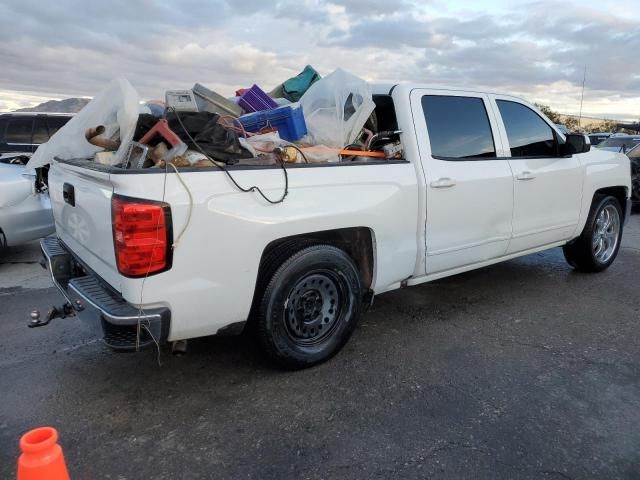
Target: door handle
point(525, 176)
point(69, 194)
point(444, 182)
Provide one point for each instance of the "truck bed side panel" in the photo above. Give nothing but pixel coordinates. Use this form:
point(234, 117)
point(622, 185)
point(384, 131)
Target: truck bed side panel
point(215, 263)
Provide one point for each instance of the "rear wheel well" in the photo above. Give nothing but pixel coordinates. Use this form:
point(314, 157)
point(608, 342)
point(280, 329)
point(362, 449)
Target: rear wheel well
point(357, 242)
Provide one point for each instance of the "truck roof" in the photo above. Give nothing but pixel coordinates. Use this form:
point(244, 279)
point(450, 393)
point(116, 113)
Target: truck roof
point(385, 88)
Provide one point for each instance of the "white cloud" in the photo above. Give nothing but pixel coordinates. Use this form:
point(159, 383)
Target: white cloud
point(538, 50)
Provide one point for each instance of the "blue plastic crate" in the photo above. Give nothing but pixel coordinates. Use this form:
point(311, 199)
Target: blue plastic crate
point(287, 120)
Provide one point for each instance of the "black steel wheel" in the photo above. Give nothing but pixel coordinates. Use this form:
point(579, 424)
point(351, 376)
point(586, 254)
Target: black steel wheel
point(309, 307)
point(313, 307)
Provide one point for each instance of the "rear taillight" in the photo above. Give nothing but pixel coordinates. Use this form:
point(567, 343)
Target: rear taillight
point(141, 236)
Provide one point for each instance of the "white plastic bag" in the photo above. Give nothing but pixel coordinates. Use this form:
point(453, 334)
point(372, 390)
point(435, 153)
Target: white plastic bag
point(116, 107)
point(336, 108)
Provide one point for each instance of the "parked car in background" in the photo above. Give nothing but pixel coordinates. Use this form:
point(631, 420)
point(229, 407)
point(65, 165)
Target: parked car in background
point(25, 209)
point(25, 131)
point(619, 143)
point(634, 157)
point(598, 137)
point(563, 128)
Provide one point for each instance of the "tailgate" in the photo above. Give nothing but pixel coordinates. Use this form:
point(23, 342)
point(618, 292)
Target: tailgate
point(81, 203)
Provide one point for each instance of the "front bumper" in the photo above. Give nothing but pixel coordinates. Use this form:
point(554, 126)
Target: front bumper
point(121, 325)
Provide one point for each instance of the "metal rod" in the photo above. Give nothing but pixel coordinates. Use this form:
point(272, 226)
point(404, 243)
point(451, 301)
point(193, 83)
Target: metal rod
point(584, 77)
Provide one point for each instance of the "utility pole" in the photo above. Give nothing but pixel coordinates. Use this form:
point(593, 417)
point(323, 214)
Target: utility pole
point(584, 77)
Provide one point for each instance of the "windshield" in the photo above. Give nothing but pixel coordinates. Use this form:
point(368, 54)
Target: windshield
point(619, 142)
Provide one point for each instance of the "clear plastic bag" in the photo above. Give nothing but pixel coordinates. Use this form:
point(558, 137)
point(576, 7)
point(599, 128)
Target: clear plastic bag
point(265, 143)
point(336, 108)
point(116, 107)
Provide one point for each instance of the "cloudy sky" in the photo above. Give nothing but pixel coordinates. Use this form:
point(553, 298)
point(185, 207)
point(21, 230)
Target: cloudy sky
point(57, 49)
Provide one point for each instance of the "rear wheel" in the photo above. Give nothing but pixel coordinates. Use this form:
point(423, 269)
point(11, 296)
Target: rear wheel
point(598, 245)
point(310, 307)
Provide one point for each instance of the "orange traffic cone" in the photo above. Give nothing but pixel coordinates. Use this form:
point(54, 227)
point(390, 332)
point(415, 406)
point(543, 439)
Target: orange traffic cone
point(41, 457)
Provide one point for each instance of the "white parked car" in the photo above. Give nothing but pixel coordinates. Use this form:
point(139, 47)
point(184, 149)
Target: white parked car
point(25, 209)
point(484, 178)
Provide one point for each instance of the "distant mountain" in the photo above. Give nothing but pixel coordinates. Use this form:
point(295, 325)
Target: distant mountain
point(68, 105)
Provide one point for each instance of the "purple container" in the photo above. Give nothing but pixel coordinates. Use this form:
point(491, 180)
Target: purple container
point(255, 100)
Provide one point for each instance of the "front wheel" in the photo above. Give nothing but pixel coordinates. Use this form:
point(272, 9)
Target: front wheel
point(310, 307)
point(597, 247)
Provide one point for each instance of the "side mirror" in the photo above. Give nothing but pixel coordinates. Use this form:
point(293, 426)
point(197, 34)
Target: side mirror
point(575, 143)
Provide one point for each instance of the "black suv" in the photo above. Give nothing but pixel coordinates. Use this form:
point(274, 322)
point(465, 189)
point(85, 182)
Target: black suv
point(24, 131)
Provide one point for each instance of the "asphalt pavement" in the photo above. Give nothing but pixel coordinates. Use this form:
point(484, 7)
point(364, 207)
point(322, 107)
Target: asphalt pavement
point(525, 369)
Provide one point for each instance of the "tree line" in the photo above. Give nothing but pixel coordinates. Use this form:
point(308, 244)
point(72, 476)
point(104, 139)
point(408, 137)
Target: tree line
point(572, 123)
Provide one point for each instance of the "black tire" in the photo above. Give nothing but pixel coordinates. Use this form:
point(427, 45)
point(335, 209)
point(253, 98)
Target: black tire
point(580, 253)
point(309, 308)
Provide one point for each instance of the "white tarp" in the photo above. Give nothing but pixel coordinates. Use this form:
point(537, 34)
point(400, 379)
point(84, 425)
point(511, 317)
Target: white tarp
point(116, 107)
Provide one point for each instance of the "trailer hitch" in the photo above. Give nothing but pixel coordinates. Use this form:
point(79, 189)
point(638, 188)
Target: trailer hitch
point(64, 311)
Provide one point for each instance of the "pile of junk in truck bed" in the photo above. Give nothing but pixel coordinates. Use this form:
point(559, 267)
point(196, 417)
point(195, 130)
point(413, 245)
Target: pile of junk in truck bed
point(306, 119)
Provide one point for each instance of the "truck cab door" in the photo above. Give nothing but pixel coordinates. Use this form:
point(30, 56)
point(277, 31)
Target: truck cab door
point(469, 187)
point(547, 186)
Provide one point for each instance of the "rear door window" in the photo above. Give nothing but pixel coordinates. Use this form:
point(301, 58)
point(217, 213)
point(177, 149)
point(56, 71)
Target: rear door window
point(458, 127)
point(19, 130)
point(40, 132)
point(529, 135)
point(56, 123)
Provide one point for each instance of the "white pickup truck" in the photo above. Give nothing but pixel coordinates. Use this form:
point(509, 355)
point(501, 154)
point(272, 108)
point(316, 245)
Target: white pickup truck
point(483, 178)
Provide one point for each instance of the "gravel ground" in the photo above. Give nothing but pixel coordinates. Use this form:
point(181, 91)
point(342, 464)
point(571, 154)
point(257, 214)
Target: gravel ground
point(521, 370)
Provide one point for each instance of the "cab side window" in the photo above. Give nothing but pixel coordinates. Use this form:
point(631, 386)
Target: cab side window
point(458, 127)
point(528, 134)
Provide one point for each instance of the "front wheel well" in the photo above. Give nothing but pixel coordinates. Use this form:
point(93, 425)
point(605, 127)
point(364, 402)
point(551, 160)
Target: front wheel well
point(620, 193)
